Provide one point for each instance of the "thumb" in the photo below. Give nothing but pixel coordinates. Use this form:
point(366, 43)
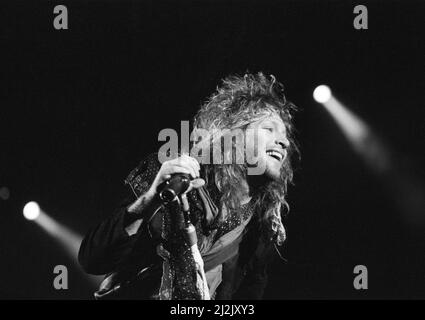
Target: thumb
point(195, 184)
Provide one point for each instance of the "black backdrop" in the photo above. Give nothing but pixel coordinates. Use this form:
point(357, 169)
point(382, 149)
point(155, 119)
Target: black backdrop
point(81, 107)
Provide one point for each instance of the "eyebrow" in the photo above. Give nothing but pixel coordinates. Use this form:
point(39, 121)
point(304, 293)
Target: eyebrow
point(274, 121)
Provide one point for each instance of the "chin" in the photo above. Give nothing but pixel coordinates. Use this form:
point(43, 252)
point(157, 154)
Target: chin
point(272, 174)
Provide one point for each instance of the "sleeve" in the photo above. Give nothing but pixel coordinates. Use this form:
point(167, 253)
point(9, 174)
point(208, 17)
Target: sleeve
point(106, 245)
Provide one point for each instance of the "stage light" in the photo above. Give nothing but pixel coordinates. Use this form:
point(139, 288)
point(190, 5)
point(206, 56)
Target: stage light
point(322, 94)
point(68, 239)
point(407, 192)
point(31, 210)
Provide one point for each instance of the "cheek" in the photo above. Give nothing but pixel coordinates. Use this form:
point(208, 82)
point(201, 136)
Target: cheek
point(257, 149)
point(257, 143)
point(263, 139)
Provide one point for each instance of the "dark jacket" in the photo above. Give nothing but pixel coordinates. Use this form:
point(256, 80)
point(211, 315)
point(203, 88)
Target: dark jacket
point(108, 249)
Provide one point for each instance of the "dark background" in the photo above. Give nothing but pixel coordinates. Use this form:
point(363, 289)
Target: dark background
point(81, 107)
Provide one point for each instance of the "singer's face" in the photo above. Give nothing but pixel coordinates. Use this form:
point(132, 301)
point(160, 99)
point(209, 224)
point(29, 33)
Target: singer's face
point(271, 146)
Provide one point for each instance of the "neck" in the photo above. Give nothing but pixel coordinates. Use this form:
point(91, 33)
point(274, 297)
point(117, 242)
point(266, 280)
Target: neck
point(256, 182)
point(251, 185)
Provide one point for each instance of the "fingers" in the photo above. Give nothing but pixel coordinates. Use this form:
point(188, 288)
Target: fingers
point(175, 168)
point(193, 161)
point(189, 163)
point(184, 164)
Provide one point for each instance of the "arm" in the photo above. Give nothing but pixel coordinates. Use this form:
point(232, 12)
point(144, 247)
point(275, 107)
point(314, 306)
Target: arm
point(107, 245)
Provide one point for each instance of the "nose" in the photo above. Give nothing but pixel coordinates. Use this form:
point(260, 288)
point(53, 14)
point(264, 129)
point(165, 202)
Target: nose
point(283, 141)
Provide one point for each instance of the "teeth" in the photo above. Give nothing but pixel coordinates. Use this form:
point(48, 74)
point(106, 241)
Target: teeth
point(275, 154)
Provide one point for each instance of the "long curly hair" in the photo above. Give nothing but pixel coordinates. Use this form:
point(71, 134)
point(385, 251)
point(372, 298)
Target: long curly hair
point(238, 102)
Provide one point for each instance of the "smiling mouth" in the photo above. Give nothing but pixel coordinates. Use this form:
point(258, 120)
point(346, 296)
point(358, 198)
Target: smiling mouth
point(275, 154)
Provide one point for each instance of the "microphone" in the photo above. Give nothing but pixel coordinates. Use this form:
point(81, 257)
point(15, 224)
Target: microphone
point(176, 185)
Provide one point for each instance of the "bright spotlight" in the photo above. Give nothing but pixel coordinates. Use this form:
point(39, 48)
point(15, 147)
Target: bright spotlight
point(322, 94)
point(31, 210)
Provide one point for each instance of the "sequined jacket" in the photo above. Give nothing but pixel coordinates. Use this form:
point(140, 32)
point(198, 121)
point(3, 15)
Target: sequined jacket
point(109, 249)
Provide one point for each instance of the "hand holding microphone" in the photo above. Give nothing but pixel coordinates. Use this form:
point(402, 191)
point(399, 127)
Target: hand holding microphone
point(170, 181)
point(177, 176)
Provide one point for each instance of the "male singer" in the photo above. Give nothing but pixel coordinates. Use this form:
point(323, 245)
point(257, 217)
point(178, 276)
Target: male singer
point(237, 214)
